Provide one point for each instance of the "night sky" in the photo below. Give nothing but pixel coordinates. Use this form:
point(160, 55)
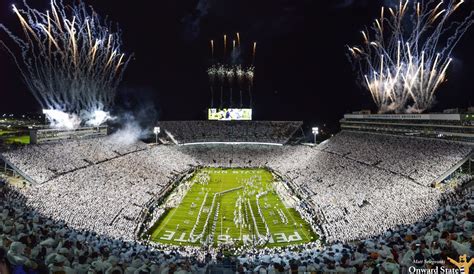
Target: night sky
point(302, 72)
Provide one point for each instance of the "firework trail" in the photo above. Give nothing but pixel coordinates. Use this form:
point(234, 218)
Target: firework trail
point(240, 75)
point(230, 75)
point(249, 75)
point(229, 71)
point(212, 74)
point(221, 73)
point(254, 50)
point(405, 55)
point(212, 49)
point(69, 58)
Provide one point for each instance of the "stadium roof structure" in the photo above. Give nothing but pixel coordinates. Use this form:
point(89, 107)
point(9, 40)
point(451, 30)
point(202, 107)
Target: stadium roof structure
point(454, 127)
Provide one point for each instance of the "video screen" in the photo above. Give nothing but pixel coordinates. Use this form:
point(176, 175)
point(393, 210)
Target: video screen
point(228, 114)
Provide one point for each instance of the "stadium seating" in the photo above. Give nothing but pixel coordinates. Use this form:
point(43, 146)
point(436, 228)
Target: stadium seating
point(353, 176)
point(421, 160)
point(357, 186)
point(54, 247)
point(229, 131)
point(46, 161)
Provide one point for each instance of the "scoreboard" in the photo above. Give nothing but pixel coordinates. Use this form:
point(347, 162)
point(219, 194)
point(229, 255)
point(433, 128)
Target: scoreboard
point(229, 114)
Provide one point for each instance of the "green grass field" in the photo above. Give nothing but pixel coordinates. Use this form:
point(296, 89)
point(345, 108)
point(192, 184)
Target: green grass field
point(227, 200)
point(9, 137)
point(23, 140)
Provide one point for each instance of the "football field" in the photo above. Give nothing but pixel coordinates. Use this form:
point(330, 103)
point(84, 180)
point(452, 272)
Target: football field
point(230, 206)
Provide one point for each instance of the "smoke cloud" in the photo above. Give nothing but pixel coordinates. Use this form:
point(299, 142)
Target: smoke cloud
point(129, 133)
point(192, 22)
point(60, 119)
point(136, 115)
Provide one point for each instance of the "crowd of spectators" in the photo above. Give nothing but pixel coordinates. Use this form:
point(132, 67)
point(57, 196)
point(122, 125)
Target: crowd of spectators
point(422, 160)
point(182, 132)
point(353, 194)
point(109, 197)
point(45, 161)
point(33, 243)
point(343, 189)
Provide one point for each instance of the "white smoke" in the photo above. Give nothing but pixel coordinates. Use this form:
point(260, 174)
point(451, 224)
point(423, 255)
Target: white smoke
point(62, 120)
point(96, 118)
point(130, 133)
point(135, 117)
point(193, 21)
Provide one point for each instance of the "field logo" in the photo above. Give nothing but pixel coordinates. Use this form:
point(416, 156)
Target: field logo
point(463, 265)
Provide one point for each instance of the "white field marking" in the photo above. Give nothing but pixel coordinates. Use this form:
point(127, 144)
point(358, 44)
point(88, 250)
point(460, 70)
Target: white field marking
point(223, 193)
point(288, 212)
point(199, 215)
point(294, 221)
point(230, 143)
point(177, 208)
point(168, 219)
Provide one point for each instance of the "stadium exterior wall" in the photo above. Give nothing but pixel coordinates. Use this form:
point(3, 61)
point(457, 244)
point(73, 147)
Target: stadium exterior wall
point(434, 116)
point(38, 136)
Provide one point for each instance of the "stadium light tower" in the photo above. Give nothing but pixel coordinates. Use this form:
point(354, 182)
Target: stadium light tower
point(156, 130)
point(315, 131)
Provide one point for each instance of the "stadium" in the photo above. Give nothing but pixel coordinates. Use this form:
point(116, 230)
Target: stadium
point(336, 191)
point(389, 192)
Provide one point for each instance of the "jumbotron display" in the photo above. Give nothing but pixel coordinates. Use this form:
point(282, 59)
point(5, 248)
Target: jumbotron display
point(227, 114)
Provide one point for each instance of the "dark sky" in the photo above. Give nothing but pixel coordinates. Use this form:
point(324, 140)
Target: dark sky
point(302, 72)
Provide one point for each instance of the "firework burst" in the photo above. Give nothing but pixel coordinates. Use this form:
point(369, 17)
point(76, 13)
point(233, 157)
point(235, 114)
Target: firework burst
point(212, 74)
point(229, 71)
point(405, 55)
point(69, 58)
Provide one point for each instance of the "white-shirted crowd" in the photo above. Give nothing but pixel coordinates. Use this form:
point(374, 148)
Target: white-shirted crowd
point(33, 243)
point(421, 160)
point(109, 197)
point(350, 196)
point(235, 131)
point(46, 161)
